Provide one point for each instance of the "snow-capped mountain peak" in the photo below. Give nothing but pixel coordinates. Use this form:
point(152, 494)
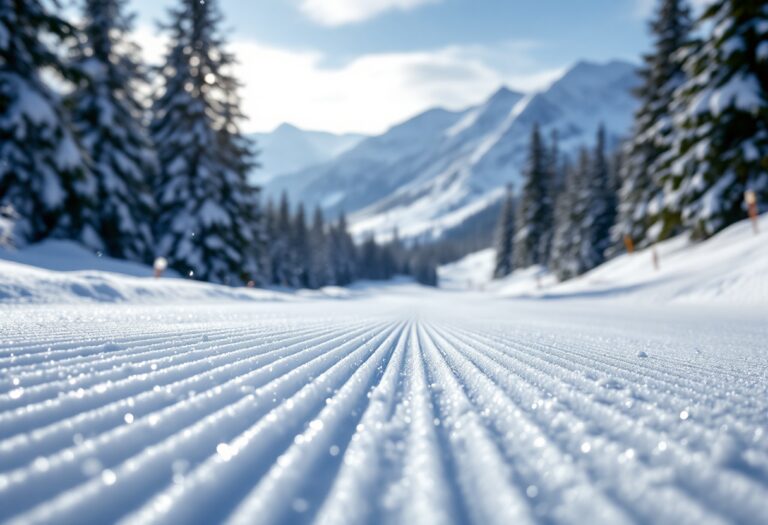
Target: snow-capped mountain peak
point(288, 148)
point(430, 173)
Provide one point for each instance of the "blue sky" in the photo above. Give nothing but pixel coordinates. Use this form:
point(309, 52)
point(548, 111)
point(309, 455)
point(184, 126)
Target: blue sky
point(363, 65)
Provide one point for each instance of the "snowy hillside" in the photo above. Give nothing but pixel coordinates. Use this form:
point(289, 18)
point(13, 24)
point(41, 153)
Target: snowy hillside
point(288, 149)
point(63, 272)
point(728, 269)
point(434, 171)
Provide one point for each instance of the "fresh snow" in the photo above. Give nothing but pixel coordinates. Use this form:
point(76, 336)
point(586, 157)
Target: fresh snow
point(182, 402)
point(728, 269)
point(472, 272)
point(69, 256)
point(409, 406)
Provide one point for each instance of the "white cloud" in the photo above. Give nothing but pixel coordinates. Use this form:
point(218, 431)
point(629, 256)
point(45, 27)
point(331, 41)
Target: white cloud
point(368, 94)
point(372, 92)
point(340, 12)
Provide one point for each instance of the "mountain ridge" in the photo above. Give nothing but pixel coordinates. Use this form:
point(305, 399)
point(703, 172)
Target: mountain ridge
point(288, 148)
point(426, 175)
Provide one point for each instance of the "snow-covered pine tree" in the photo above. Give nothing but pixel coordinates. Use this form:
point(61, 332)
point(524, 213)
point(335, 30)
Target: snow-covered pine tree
point(505, 233)
point(300, 249)
point(44, 173)
point(280, 245)
point(239, 154)
point(205, 226)
point(320, 273)
point(554, 186)
point(599, 209)
point(271, 233)
point(8, 219)
point(564, 256)
point(567, 258)
point(343, 253)
point(425, 271)
point(108, 117)
point(662, 73)
point(721, 137)
point(369, 267)
point(617, 159)
point(534, 210)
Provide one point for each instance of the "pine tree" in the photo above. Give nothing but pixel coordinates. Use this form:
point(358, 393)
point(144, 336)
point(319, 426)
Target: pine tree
point(616, 163)
point(44, 173)
point(300, 255)
point(662, 73)
point(108, 117)
point(425, 271)
point(505, 233)
point(343, 253)
point(600, 208)
point(239, 154)
point(281, 252)
point(554, 186)
point(321, 273)
point(721, 141)
point(206, 225)
point(8, 218)
point(565, 258)
point(535, 208)
point(272, 234)
point(585, 214)
point(369, 259)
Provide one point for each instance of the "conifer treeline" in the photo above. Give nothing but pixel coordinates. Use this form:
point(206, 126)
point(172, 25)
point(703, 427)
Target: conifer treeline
point(563, 215)
point(312, 254)
point(699, 142)
point(100, 167)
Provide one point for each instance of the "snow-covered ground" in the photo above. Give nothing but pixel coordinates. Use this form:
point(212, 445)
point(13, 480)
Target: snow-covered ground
point(729, 269)
point(133, 400)
point(65, 272)
point(408, 406)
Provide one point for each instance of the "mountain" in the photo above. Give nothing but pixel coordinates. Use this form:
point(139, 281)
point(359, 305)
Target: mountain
point(439, 169)
point(288, 149)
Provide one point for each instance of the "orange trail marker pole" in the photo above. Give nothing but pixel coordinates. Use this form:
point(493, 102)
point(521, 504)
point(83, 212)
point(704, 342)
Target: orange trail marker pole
point(160, 265)
point(628, 244)
point(750, 197)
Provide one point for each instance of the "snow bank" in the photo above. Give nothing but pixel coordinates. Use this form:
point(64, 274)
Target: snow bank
point(472, 272)
point(23, 284)
point(731, 268)
point(69, 256)
point(64, 272)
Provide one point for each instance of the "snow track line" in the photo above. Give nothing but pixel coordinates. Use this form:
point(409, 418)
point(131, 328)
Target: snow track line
point(423, 493)
point(352, 499)
point(293, 489)
point(485, 479)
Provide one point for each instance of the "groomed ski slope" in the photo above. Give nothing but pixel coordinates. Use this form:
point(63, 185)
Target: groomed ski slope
point(409, 406)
